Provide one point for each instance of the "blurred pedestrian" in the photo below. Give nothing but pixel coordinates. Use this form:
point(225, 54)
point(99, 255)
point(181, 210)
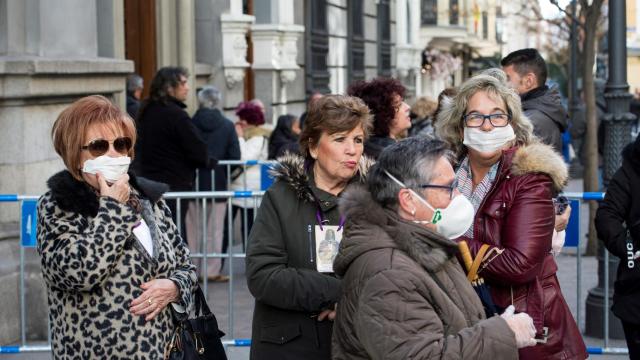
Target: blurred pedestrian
point(618, 226)
point(222, 143)
point(511, 179)
point(527, 73)
point(385, 99)
point(135, 85)
point(169, 148)
point(405, 295)
point(422, 117)
point(254, 145)
point(111, 256)
point(284, 137)
point(295, 289)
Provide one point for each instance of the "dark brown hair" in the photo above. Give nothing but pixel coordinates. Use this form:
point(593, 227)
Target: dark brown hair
point(70, 128)
point(333, 114)
point(379, 95)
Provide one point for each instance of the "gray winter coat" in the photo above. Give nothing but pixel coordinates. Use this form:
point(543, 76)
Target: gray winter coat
point(405, 295)
point(544, 108)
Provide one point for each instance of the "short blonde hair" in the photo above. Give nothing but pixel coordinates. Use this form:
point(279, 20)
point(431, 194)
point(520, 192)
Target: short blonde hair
point(450, 125)
point(70, 128)
point(424, 107)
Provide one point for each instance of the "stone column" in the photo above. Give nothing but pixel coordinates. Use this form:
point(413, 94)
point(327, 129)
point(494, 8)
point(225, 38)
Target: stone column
point(275, 53)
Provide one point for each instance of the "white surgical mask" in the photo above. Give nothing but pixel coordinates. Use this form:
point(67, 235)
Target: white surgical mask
point(112, 168)
point(452, 221)
point(488, 141)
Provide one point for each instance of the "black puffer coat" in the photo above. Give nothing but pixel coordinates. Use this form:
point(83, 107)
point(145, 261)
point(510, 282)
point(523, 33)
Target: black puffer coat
point(617, 214)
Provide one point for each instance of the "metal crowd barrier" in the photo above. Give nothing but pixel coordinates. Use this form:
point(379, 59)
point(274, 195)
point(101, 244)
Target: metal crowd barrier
point(27, 239)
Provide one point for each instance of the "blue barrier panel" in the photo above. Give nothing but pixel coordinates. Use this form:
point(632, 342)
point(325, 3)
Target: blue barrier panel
point(265, 178)
point(8, 197)
point(9, 349)
point(242, 342)
point(28, 223)
point(252, 162)
point(573, 228)
point(593, 196)
point(242, 194)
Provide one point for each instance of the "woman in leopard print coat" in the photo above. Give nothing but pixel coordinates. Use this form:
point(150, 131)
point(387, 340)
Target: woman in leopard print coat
point(112, 259)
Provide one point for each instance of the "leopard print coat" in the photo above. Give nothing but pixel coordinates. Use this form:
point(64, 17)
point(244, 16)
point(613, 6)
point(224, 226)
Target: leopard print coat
point(93, 267)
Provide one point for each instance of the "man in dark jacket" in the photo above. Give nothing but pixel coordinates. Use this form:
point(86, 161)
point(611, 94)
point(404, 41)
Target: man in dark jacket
point(527, 73)
point(169, 148)
point(219, 134)
point(135, 85)
point(618, 226)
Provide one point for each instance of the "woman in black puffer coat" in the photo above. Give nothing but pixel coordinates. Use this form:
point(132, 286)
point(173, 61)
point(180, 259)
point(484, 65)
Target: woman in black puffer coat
point(618, 226)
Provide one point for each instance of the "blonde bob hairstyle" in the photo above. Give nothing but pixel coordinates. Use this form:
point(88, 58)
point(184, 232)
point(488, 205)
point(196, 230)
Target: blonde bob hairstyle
point(450, 125)
point(70, 128)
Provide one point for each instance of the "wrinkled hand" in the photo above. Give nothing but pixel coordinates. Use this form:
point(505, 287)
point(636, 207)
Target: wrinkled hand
point(522, 326)
point(156, 296)
point(118, 191)
point(562, 220)
point(327, 314)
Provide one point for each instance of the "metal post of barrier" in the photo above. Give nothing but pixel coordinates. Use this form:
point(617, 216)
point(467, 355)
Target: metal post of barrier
point(179, 219)
point(579, 275)
point(230, 262)
point(23, 315)
point(605, 308)
point(205, 250)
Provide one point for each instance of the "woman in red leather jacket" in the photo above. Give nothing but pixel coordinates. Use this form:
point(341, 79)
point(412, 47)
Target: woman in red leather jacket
point(510, 178)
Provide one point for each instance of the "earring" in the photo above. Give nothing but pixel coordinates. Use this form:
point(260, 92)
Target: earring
point(413, 213)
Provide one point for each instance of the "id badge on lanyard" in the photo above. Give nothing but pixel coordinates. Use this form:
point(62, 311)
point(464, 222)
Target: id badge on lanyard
point(328, 239)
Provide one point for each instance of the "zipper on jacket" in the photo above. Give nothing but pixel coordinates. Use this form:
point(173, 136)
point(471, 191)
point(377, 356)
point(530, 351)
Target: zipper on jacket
point(310, 236)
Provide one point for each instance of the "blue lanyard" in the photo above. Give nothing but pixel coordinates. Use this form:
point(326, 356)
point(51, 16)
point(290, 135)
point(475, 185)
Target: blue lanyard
point(321, 220)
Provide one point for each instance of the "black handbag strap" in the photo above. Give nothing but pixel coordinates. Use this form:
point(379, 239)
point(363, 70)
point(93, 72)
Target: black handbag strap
point(201, 306)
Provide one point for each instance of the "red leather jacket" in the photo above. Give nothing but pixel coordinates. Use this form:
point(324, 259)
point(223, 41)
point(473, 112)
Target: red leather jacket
point(517, 215)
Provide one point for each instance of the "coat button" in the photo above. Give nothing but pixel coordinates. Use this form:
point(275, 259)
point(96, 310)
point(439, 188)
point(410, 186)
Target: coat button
point(326, 203)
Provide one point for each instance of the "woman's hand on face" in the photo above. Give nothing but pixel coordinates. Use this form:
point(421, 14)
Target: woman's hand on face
point(119, 190)
point(156, 296)
point(239, 129)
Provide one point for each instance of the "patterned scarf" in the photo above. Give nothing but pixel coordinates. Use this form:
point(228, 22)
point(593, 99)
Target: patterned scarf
point(465, 186)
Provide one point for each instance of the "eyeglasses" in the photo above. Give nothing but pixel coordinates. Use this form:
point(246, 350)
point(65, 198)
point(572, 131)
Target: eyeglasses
point(100, 147)
point(451, 188)
point(475, 120)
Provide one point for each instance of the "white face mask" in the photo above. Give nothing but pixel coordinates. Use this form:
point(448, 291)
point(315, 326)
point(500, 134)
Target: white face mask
point(452, 221)
point(112, 168)
point(488, 141)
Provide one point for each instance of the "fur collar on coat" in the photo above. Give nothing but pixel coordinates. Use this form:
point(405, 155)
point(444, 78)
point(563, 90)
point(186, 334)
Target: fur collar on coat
point(291, 168)
point(540, 158)
point(78, 197)
point(370, 226)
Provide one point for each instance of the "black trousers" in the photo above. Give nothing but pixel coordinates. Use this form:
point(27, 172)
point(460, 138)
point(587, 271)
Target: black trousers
point(238, 211)
point(632, 334)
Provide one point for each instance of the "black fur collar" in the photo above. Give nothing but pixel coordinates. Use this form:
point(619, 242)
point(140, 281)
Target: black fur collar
point(77, 196)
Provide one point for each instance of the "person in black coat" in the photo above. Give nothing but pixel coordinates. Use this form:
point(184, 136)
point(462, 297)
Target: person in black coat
point(618, 226)
point(169, 148)
point(284, 137)
point(219, 134)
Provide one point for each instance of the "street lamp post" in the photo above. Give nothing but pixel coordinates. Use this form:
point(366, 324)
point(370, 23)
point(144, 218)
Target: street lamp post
point(617, 127)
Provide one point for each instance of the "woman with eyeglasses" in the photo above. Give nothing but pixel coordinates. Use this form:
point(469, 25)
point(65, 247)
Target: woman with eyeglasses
point(511, 178)
point(112, 259)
